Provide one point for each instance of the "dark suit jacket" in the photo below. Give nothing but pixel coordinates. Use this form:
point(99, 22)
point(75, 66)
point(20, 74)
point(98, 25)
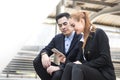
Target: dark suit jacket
point(73, 52)
point(97, 53)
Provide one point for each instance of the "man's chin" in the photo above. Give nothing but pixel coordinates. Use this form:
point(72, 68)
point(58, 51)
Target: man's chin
point(64, 33)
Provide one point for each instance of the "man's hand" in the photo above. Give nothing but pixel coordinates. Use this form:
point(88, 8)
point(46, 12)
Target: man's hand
point(45, 61)
point(52, 69)
point(61, 58)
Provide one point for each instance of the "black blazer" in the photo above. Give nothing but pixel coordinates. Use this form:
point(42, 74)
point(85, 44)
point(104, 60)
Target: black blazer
point(73, 52)
point(97, 53)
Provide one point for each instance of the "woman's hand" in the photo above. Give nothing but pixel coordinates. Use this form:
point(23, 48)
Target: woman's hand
point(77, 62)
point(52, 69)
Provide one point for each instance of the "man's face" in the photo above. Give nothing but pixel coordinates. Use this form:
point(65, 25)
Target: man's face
point(64, 26)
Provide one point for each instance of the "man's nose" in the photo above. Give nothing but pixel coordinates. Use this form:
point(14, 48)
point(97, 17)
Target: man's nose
point(63, 26)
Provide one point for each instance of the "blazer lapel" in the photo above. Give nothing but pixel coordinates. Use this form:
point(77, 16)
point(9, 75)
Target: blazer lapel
point(90, 41)
point(62, 43)
point(74, 41)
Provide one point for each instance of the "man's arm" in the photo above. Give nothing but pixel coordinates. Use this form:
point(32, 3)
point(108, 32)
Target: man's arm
point(45, 60)
point(46, 52)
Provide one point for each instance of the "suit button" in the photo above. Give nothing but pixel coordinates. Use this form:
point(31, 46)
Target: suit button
point(88, 52)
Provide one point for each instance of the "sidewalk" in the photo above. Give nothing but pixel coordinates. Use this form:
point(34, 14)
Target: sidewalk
point(19, 79)
point(28, 79)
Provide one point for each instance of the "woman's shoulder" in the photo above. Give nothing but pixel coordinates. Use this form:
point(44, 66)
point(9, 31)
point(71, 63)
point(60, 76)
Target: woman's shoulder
point(99, 30)
point(101, 33)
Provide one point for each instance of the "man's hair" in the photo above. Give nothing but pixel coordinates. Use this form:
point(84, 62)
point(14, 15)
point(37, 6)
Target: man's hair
point(67, 15)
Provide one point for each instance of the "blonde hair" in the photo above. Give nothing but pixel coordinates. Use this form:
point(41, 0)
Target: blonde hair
point(89, 27)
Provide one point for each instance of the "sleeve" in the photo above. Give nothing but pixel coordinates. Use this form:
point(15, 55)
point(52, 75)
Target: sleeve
point(78, 57)
point(103, 51)
point(80, 52)
point(62, 66)
point(48, 48)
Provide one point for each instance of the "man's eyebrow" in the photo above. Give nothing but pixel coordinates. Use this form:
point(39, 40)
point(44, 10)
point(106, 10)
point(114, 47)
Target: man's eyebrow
point(63, 22)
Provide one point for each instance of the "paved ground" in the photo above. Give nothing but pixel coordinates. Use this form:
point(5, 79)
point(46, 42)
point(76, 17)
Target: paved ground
point(18, 79)
point(27, 79)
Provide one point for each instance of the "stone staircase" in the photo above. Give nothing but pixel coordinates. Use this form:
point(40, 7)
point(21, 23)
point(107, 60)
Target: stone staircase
point(21, 65)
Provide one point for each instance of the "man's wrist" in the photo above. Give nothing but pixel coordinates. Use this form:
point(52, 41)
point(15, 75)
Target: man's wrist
point(44, 53)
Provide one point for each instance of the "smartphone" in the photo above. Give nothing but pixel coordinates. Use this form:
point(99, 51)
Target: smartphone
point(56, 51)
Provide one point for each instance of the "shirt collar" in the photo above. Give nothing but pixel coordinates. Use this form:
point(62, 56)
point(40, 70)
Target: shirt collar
point(70, 36)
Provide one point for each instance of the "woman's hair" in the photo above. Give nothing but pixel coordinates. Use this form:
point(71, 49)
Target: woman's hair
point(88, 26)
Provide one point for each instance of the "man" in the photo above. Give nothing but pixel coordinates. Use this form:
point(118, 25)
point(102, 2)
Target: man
point(67, 42)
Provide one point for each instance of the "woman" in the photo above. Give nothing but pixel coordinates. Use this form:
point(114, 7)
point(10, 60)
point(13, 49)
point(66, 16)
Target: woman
point(97, 64)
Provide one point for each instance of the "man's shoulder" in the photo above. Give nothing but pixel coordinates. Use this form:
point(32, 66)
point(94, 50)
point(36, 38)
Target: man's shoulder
point(59, 35)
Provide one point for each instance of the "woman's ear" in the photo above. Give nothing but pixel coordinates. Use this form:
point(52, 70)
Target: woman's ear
point(82, 21)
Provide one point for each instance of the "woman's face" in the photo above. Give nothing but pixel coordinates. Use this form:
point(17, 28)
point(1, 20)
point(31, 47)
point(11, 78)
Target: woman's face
point(78, 25)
